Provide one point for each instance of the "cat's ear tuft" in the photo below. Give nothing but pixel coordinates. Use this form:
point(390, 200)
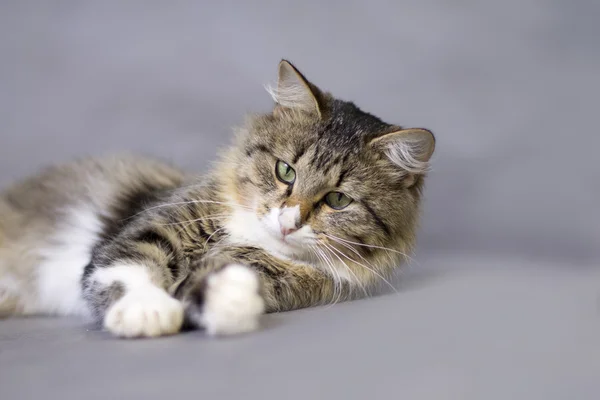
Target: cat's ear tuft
point(410, 149)
point(294, 91)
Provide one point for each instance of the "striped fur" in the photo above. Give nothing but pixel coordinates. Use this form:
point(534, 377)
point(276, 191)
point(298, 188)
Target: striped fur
point(146, 249)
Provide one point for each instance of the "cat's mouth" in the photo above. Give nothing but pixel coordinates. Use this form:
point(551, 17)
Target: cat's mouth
point(289, 240)
point(292, 244)
point(250, 227)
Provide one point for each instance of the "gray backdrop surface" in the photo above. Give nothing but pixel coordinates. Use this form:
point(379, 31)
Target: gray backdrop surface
point(503, 299)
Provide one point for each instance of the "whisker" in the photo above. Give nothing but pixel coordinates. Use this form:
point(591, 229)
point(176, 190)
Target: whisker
point(215, 245)
point(329, 247)
point(369, 245)
point(191, 221)
point(316, 252)
point(349, 247)
point(201, 201)
point(364, 266)
point(193, 186)
point(336, 278)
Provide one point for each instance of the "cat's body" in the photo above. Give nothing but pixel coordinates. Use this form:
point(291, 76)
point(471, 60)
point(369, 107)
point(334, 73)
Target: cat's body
point(314, 203)
point(50, 223)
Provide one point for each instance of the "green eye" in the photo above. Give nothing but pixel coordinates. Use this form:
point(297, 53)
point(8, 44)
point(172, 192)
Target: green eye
point(285, 173)
point(337, 200)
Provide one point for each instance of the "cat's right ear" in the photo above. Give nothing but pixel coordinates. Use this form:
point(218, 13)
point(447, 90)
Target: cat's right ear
point(294, 91)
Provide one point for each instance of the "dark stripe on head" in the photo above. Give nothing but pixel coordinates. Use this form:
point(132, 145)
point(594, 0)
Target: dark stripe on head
point(242, 180)
point(326, 168)
point(377, 219)
point(257, 148)
point(315, 209)
point(319, 157)
point(307, 216)
point(346, 157)
point(364, 249)
point(288, 191)
point(299, 154)
point(341, 178)
point(325, 128)
point(318, 206)
point(322, 161)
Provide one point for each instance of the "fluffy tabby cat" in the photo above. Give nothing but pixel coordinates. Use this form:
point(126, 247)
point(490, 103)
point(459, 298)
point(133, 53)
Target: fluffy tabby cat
point(314, 202)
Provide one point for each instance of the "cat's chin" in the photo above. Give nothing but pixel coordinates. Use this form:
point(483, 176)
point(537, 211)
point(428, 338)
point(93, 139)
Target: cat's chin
point(283, 248)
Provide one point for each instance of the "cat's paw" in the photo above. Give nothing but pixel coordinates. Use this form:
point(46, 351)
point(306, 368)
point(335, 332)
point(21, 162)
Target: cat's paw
point(233, 303)
point(147, 311)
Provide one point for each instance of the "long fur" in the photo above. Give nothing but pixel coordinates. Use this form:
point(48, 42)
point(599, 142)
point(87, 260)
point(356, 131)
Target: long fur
point(291, 96)
point(146, 249)
point(402, 153)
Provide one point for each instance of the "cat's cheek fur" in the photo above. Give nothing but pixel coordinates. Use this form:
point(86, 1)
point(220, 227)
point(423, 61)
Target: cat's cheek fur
point(233, 303)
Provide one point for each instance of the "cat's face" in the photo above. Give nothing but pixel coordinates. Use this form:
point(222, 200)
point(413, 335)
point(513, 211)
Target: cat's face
point(323, 182)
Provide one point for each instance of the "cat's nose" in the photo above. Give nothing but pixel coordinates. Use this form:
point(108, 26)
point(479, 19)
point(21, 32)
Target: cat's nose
point(286, 231)
point(288, 221)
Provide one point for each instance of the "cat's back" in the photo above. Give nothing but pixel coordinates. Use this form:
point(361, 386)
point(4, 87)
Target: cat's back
point(91, 181)
point(53, 219)
point(95, 184)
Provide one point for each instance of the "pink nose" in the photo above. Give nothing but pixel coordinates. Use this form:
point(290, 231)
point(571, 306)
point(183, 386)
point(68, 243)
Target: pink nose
point(287, 231)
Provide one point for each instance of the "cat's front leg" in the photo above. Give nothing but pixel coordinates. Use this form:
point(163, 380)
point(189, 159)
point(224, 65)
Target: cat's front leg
point(125, 284)
point(130, 303)
point(228, 297)
point(222, 297)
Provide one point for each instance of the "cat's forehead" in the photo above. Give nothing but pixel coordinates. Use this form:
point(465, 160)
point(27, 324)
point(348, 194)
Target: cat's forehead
point(343, 129)
point(346, 123)
point(327, 149)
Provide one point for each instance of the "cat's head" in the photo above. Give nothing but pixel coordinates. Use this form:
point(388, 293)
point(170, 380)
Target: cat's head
point(321, 181)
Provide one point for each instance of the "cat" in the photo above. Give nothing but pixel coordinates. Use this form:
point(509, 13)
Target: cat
point(314, 203)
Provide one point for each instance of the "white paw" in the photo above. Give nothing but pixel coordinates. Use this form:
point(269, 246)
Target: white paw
point(146, 311)
point(232, 303)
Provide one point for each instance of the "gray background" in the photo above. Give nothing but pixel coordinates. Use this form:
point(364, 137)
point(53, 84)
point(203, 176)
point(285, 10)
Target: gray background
point(503, 300)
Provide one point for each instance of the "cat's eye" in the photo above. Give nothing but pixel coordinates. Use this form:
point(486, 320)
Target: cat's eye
point(337, 200)
point(285, 173)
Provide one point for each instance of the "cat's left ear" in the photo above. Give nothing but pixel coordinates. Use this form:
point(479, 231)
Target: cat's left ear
point(409, 149)
point(294, 91)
